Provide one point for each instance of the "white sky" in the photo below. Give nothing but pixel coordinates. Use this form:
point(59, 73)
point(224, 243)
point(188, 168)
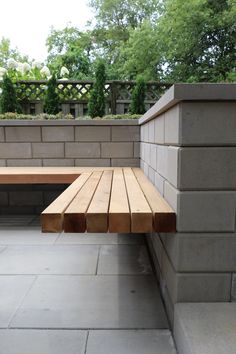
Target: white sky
point(27, 22)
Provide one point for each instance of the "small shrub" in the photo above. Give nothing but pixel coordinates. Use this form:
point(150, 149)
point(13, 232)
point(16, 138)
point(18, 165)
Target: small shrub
point(52, 101)
point(8, 102)
point(138, 97)
point(96, 106)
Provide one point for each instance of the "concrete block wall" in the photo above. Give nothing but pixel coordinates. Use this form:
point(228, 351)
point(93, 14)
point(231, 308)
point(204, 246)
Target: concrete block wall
point(61, 143)
point(188, 150)
point(69, 143)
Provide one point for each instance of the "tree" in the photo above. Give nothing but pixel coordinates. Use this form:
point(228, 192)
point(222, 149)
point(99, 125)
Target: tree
point(6, 52)
point(138, 97)
point(96, 106)
point(71, 48)
point(116, 19)
point(8, 100)
point(198, 39)
point(51, 104)
point(141, 55)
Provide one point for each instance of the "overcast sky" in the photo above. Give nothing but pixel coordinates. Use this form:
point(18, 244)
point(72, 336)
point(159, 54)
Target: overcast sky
point(27, 22)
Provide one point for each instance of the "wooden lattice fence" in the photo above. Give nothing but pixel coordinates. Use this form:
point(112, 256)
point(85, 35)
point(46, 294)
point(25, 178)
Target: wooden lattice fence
point(74, 95)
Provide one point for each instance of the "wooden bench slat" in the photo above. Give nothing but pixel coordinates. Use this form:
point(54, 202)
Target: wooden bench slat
point(52, 216)
point(164, 215)
point(75, 214)
point(141, 214)
point(119, 213)
point(97, 214)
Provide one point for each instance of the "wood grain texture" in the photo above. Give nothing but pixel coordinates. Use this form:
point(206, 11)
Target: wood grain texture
point(97, 214)
point(52, 217)
point(164, 215)
point(75, 214)
point(119, 213)
point(141, 214)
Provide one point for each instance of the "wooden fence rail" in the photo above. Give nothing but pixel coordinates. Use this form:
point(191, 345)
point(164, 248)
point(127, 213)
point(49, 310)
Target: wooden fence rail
point(74, 95)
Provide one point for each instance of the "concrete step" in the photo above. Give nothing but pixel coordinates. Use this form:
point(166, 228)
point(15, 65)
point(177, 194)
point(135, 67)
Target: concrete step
point(205, 328)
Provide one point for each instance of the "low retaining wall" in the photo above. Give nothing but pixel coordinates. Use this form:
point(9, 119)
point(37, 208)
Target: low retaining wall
point(188, 150)
point(69, 143)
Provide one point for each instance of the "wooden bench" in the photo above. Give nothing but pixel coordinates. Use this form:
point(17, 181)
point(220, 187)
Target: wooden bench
point(119, 200)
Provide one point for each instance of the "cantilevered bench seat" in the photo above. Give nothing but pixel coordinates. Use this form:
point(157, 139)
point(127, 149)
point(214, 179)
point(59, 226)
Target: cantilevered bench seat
point(117, 200)
point(98, 200)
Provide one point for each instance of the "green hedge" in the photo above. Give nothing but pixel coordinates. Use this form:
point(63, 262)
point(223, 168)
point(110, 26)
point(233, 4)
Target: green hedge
point(45, 116)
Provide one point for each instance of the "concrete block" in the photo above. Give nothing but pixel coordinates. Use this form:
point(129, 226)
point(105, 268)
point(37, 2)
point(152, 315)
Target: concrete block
point(125, 163)
point(57, 134)
point(145, 128)
point(167, 163)
point(206, 212)
point(205, 328)
point(22, 134)
point(171, 195)
point(159, 129)
point(151, 174)
point(82, 150)
point(207, 168)
point(93, 133)
point(48, 150)
point(15, 150)
point(142, 151)
point(172, 125)
point(162, 161)
point(201, 252)
point(3, 198)
point(125, 133)
point(58, 162)
point(93, 162)
point(151, 131)
point(147, 155)
point(208, 123)
point(193, 287)
point(2, 139)
point(25, 198)
point(233, 289)
point(159, 183)
point(117, 150)
point(153, 156)
point(24, 162)
point(137, 150)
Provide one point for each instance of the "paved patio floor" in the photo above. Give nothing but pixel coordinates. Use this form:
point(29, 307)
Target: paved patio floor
point(77, 293)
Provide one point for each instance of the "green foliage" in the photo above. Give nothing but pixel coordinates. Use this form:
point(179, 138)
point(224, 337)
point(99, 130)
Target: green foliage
point(141, 55)
point(96, 105)
point(51, 104)
point(198, 39)
point(6, 52)
point(70, 48)
point(138, 97)
point(8, 102)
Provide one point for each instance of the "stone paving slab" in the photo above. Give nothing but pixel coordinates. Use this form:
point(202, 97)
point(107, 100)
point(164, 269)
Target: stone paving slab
point(130, 342)
point(13, 341)
point(100, 239)
point(12, 292)
point(104, 302)
point(44, 259)
point(124, 259)
point(25, 236)
point(205, 328)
